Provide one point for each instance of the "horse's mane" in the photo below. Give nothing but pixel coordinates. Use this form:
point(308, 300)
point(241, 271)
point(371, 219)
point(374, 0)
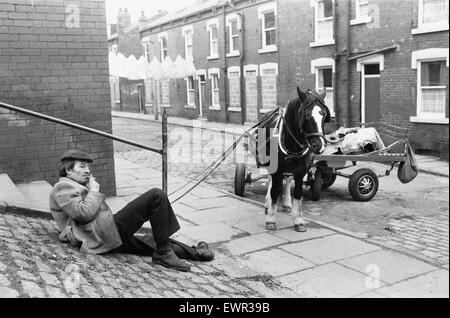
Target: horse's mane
point(291, 116)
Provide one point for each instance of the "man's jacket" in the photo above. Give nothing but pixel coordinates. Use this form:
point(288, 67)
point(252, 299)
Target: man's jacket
point(83, 217)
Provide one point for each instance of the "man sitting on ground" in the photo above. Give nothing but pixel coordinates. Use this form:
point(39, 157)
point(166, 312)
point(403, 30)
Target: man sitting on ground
point(85, 220)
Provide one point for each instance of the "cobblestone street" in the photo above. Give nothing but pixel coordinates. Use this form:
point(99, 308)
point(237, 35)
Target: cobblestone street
point(34, 264)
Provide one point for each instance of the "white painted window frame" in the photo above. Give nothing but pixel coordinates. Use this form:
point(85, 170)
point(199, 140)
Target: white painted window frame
point(233, 69)
point(360, 19)
point(146, 50)
point(184, 31)
point(322, 42)
point(160, 37)
point(428, 27)
point(417, 57)
point(189, 103)
point(214, 71)
point(209, 26)
point(228, 20)
point(322, 63)
point(251, 67)
point(267, 8)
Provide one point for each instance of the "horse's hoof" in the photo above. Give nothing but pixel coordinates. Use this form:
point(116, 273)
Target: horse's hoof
point(271, 226)
point(300, 228)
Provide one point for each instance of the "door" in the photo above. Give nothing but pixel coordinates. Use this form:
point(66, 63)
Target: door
point(141, 97)
point(201, 95)
point(370, 93)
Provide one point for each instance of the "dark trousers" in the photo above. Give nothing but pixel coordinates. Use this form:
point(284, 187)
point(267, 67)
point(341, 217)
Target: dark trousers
point(153, 206)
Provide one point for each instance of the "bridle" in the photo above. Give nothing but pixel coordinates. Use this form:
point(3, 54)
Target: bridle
point(301, 117)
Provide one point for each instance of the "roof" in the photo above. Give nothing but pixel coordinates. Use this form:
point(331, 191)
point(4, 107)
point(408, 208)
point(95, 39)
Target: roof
point(208, 4)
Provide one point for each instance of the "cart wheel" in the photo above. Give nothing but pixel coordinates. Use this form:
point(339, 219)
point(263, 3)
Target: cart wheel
point(316, 185)
point(328, 180)
point(239, 179)
point(363, 184)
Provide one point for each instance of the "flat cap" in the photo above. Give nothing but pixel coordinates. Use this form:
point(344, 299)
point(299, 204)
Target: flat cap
point(74, 154)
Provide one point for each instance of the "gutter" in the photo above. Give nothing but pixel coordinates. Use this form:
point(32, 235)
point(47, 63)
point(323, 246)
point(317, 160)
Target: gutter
point(241, 64)
point(386, 49)
point(349, 100)
point(336, 58)
point(225, 67)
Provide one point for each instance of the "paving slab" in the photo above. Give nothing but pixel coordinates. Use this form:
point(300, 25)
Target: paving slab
point(325, 281)
point(275, 262)
point(434, 284)
point(371, 294)
point(330, 248)
point(253, 243)
point(216, 215)
point(293, 236)
point(211, 233)
point(393, 267)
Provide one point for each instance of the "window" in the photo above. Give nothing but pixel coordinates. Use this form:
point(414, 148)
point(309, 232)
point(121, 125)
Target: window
point(268, 72)
point(267, 14)
point(323, 22)
point(163, 45)
point(431, 89)
point(323, 69)
point(164, 100)
point(146, 49)
point(233, 27)
point(214, 76)
point(187, 33)
point(324, 81)
point(190, 91)
point(213, 26)
point(432, 78)
point(362, 12)
point(234, 79)
point(433, 16)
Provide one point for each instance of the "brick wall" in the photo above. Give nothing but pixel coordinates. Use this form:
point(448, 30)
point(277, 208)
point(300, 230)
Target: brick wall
point(59, 71)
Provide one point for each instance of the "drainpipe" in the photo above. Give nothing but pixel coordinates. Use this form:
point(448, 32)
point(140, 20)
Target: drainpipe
point(349, 100)
point(336, 57)
point(241, 64)
point(225, 66)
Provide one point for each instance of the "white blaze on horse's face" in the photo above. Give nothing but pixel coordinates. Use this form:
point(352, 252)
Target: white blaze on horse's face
point(318, 117)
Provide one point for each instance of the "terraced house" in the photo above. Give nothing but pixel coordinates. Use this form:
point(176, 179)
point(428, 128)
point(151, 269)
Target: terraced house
point(379, 61)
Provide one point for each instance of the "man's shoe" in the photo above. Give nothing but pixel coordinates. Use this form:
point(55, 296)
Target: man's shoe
point(203, 252)
point(170, 260)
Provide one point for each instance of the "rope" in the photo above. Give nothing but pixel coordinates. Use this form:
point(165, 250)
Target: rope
point(218, 161)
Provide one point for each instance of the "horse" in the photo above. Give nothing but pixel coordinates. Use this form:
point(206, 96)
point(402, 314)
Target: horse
point(300, 134)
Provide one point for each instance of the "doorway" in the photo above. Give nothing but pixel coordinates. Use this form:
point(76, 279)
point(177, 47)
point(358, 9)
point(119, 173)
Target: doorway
point(370, 93)
point(201, 94)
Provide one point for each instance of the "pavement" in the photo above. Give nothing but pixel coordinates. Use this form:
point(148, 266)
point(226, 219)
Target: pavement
point(427, 164)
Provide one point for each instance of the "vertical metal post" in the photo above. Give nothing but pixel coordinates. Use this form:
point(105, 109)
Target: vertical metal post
point(164, 149)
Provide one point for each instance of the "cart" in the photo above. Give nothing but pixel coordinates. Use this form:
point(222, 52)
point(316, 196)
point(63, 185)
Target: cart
point(363, 183)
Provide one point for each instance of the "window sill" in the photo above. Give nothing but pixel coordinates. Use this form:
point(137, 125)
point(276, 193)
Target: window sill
point(214, 108)
point(165, 106)
point(415, 119)
point(361, 20)
point(263, 110)
point(233, 54)
point(234, 109)
point(212, 57)
point(268, 49)
point(190, 106)
point(322, 43)
point(429, 29)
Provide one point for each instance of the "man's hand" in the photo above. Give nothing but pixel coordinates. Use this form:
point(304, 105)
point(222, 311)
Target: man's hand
point(93, 185)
